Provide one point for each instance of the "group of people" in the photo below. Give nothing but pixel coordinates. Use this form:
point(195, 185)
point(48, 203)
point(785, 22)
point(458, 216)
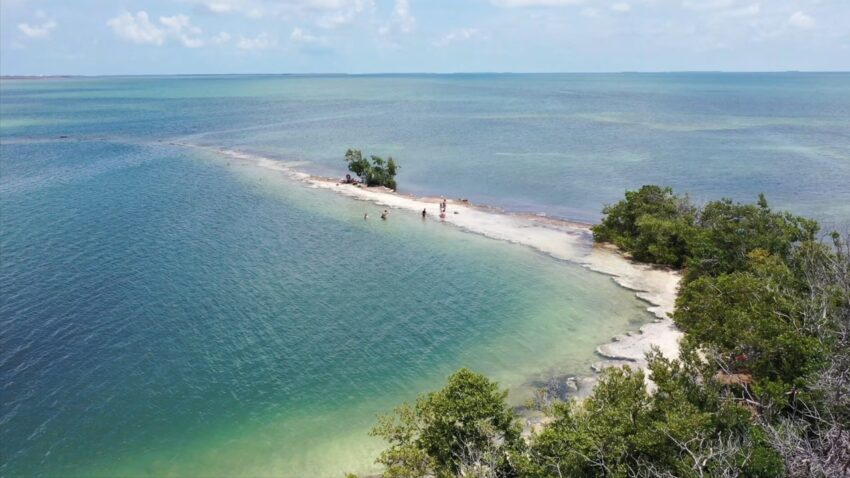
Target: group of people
point(386, 213)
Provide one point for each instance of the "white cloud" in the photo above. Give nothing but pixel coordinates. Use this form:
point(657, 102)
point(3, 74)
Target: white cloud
point(324, 13)
point(535, 3)
point(707, 4)
point(402, 20)
point(140, 29)
point(300, 36)
point(801, 20)
point(137, 28)
point(621, 7)
point(228, 6)
point(37, 31)
point(181, 28)
point(344, 13)
point(748, 11)
point(307, 42)
point(461, 34)
point(259, 42)
point(220, 39)
point(220, 6)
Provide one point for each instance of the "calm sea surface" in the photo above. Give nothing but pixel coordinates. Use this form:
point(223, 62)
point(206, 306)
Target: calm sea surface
point(165, 311)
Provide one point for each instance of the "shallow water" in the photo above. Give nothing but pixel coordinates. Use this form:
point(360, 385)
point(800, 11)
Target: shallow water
point(166, 311)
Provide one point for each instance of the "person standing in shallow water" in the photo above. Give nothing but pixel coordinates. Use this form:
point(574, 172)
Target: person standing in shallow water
point(385, 214)
point(424, 213)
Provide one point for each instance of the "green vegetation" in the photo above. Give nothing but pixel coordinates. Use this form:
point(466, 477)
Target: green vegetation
point(376, 173)
point(681, 429)
point(654, 225)
point(450, 432)
point(761, 387)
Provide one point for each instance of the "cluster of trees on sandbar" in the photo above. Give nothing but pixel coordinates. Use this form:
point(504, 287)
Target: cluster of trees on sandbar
point(378, 172)
point(761, 387)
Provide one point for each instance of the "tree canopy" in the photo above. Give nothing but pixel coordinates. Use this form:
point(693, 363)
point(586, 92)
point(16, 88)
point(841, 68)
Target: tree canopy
point(378, 172)
point(760, 388)
point(463, 427)
point(655, 225)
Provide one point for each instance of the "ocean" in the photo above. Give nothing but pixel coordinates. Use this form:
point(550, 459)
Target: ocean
point(166, 310)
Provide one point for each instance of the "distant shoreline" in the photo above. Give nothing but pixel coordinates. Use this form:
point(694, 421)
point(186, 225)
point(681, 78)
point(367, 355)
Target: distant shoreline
point(35, 77)
point(414, 74)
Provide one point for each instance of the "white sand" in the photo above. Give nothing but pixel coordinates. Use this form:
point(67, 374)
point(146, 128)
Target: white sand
point(560, 239)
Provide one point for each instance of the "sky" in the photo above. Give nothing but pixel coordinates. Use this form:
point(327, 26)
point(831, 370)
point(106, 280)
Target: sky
point(125, 37)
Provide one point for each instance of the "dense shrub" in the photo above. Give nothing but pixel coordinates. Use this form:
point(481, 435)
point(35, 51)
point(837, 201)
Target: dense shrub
point(760, 388)
point(655, 225)
point(753, 320)
point(466, 426)
point(652, 224)
point(729, 232)
point(376, 173)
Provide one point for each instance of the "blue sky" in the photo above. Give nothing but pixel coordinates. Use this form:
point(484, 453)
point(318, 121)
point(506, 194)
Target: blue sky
point(362, 36)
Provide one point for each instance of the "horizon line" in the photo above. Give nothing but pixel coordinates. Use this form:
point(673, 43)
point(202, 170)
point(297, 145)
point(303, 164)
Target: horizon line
point(412, 73)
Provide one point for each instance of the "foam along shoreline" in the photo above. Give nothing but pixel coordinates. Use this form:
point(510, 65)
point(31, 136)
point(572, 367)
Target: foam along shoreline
point(563, 240)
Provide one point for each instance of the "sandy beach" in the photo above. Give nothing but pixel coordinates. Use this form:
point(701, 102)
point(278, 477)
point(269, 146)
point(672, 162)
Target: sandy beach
point(560, 239)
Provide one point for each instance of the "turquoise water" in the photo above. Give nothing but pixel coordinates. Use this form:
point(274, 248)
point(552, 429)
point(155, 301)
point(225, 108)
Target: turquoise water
point(165, 311)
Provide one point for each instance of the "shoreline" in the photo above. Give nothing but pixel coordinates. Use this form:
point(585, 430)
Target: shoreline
point(558, 238)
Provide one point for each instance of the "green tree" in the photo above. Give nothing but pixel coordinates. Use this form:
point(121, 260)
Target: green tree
point(752, 319)
point(652, 224)
point(729, 231)
point(357, 164)
point(465, 426)
point(681, 429)
point(376, 173)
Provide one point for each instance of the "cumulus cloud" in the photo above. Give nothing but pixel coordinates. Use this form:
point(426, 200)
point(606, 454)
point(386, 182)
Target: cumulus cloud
point(37, 31)
point(801, 20)
point(745, 11)
point(246, 7)
point(324, 13)
point(535, 3)
point(621, 7)
point(461, 34)
point(300, 36)
point(707, 4)
point(141, 29)
point(344, 13)
point(402, 20)
point(221, 6)
point(307, 42)
point(180, 27)
point(137, 28)
point(220, 39)
point(259, 42)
